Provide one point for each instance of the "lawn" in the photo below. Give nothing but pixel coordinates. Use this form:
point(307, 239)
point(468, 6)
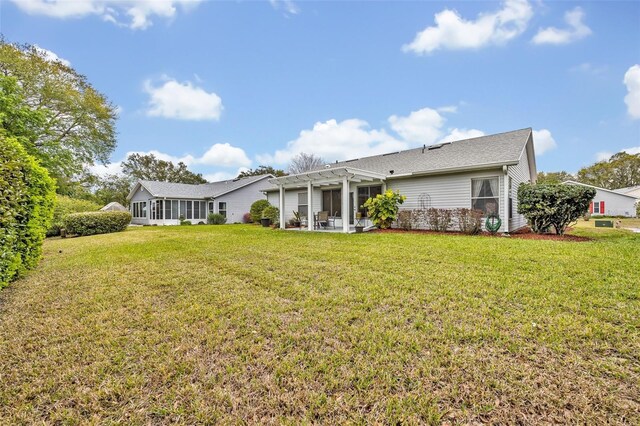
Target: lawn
point(242, 324)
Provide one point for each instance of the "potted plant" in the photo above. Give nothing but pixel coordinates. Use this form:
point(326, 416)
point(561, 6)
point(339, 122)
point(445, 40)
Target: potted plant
point(296, 219)
point(269, 215)
point(265, 221)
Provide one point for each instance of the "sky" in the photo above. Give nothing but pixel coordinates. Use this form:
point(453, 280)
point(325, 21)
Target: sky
point(229, 85)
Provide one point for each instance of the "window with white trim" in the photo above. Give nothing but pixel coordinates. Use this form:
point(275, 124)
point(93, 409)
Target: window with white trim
point(303, 204)
point(596, 207)
point(139, 209)
point(485, 195)
point(222, 208)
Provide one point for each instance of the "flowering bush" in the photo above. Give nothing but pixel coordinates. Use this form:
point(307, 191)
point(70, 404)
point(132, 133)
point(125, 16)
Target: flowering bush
point(383, 208)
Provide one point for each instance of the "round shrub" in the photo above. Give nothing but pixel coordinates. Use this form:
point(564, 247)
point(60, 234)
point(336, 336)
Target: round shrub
point(246, 218)
point(256, 210)
point(28, 196)
point(383, 208)
point(271, 212)
point(216, 219)
point(67, 205)
point(92, 223)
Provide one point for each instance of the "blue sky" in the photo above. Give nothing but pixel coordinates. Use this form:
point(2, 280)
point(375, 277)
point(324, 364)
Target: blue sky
point(227, 85)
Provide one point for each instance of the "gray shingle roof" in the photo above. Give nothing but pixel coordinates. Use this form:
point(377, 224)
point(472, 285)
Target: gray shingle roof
point(501, 148)
point(627, 189)
point(205, 190)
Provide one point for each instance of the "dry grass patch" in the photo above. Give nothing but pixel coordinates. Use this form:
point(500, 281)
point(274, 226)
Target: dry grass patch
point(237, 324)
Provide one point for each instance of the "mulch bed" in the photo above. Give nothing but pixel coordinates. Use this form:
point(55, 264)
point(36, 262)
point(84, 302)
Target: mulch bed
point(524, 234)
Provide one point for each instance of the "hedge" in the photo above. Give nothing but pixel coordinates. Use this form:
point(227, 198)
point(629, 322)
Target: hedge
point(65, 206)
point(216, 219)
point(27, 197)
point(92, 223)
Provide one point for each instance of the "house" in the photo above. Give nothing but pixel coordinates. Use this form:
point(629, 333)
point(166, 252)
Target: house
point(608, 202)
point(114, 206)
point(634, 191)
point(163, 203)
point(481, 173)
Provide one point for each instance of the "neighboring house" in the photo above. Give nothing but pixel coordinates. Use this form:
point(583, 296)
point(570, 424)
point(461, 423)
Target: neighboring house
point(609, 203)
point(114, 207)
point(163, 203)
point(634, 191)
point(482, 173)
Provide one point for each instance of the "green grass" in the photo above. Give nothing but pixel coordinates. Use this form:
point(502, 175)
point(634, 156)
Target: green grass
point(242, 324)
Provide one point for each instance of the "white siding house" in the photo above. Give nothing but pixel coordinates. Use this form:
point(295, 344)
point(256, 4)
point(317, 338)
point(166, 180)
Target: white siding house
point(481, 173)
point(609, 203)
point(164, 203)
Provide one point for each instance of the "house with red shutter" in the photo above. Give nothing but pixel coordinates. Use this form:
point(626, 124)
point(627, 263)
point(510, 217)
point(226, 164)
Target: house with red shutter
point(610, 203)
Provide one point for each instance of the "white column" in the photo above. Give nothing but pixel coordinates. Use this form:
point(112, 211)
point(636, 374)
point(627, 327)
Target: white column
point(505, 219)
point(345, 204)
point(282, 224)
point(310, 222)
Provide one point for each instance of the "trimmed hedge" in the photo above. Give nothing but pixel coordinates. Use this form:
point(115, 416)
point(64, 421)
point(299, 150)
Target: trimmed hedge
point(256, 210)
point(65, 206)
point(27, 197)
point(92, 223)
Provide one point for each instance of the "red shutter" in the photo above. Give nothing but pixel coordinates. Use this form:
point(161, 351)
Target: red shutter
point(601, 207)
point(591, 207)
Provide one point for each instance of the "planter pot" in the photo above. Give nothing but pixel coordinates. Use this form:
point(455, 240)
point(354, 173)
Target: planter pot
point(296, 224)
point(265, 221)
point(359, 229)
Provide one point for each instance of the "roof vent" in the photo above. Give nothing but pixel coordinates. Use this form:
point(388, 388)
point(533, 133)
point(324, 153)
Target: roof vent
point(440, 145)
point(391, 172)
point(351, 161)
point(326, 166)
point(424, 147)
point(391, 153)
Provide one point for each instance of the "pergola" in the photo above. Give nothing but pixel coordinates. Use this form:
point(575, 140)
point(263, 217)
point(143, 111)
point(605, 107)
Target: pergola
point(326, 177)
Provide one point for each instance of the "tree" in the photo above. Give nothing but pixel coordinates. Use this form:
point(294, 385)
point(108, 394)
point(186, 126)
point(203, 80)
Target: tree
point(262, 170)
point(619, 171)
point(554, 177)
point(553, 205)
point(112, 188)
point(304, 162)
point(73, 125)
point(148, 167)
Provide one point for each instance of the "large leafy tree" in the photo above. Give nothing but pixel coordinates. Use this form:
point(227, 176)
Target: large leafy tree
point(149, 167)
point(72, 124)
point(262, 170)
point(554, 177)
point(619, 171)
point(113, 188)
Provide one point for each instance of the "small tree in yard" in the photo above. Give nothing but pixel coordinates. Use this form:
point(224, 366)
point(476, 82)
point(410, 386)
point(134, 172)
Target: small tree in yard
point(553, 205)
point(383, 208)
point(256, 210)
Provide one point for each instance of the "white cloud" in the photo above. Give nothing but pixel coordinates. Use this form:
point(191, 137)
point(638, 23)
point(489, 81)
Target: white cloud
point(219, 176)
point(223, 154)
point(333, 140)
point(138, 13)
point(576, 31)
point(456, 134)
point(543, 141)
point(420, 127)
point(182, 101)
point(453, 32)
point(51, 56)
point(588, 68)
point(289, 7)
point(632, 81)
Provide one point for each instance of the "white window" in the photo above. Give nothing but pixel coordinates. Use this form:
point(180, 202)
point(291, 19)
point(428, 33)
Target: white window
point(303, 208)
point(596, 207)
point(139, 209)
point(485, 195)
point(222, 208)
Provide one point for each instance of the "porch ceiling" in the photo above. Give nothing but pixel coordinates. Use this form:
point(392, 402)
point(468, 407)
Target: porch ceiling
point(327, 177)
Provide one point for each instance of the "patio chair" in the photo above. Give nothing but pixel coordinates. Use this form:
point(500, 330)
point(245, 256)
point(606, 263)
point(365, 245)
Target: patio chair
point(323, 219)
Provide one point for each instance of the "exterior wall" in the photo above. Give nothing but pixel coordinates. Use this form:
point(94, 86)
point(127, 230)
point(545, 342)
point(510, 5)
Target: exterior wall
point(239, 201)
point(615, 204)
point(448, 191)
point(520, 173)
point(140, 195)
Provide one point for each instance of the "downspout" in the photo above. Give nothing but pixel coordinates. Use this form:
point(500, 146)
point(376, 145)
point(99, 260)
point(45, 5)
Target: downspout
point(505, 221)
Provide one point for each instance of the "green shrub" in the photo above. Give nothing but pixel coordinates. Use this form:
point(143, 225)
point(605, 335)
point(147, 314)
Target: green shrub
point(553, 205)
point(91, 223)
point(383, 208)
point(67, 205)
point(28, 197)
point(256, 210)
point(271, 212)
point(216, 219)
